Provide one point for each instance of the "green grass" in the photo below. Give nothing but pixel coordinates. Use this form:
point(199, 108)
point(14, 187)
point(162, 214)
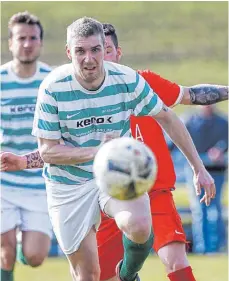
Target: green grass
point(206, 268)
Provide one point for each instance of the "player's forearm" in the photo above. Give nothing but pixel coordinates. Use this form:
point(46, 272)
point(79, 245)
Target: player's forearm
point(181, 137)
point(33, 160)
point(63, 155)
point(204, 94)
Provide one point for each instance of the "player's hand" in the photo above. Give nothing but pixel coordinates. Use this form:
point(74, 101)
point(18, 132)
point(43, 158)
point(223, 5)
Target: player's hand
point(12, 162)
point(202, 179)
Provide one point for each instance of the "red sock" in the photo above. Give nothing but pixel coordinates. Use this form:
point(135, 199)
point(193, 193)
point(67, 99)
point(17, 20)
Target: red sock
point(184, 274)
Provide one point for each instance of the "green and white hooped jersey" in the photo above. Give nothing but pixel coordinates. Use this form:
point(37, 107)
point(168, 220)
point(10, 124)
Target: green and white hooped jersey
point(65, 110)
point(18, 101)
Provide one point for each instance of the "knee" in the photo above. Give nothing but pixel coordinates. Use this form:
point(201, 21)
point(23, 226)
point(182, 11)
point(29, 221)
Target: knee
point(138, 229)
point(8, 257)
point(34, 259)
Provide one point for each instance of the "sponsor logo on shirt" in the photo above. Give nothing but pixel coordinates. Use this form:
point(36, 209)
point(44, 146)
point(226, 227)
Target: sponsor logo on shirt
point(22, 108)
point(93, 121)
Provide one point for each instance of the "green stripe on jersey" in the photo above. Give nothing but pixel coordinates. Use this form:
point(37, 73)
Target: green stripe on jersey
point(75, 171)
point(149, 107)
point(48, 126)
point(62, 179)
point(49, 108)
point(22, 185)
point(6, 86)
point(107, 91)
point(20, 146)
point(19, 101)
point(17, 132)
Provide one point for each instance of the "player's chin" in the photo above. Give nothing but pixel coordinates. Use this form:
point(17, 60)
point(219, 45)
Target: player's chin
point(91, 77)
point(28, 60)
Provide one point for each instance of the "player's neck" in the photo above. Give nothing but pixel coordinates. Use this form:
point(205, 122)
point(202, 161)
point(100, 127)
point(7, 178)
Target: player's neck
point(23, 70)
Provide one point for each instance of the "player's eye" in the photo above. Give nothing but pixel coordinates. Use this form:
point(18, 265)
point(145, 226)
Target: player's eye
point(21, 38)
point(79, 51)
point(34, 38)
point(95, 50)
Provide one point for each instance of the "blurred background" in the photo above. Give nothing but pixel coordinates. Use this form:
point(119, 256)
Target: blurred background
point(185, 42)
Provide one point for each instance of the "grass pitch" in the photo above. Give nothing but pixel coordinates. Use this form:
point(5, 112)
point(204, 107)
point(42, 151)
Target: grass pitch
point(206, 268)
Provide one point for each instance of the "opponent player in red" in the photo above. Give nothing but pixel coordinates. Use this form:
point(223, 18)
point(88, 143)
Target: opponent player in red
point(169, 236)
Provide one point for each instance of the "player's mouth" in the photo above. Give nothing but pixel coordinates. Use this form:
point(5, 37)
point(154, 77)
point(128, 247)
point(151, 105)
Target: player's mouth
point(28, 51)
point(90, 68)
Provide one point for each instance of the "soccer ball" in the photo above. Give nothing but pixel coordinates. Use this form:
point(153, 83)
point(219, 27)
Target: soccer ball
point(124, 168)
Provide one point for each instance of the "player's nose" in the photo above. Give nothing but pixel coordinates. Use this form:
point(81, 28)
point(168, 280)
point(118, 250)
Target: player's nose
point(88, 57)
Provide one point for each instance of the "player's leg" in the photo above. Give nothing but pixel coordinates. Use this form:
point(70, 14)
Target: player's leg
point(74, 213)
point(84, 262)
point(8, 254)
point(10, 218)
point(169, 236)
point(36, 229)
point(134, 219)
point(35, 247)
point(110, 248)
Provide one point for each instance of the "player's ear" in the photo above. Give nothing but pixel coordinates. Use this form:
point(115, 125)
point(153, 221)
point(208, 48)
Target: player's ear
point(119, 54)
point(68, 52)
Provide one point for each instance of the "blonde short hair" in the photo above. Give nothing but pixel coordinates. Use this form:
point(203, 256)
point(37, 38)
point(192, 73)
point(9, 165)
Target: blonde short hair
point(85, 27)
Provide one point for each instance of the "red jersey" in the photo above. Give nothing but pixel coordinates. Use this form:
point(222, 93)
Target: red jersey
point(146, 129)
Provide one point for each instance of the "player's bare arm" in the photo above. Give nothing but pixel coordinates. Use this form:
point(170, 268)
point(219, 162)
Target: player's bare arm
point(204, 94)
point(34, 160)
point(12, 162)
point(51, 151)
point(181, 137)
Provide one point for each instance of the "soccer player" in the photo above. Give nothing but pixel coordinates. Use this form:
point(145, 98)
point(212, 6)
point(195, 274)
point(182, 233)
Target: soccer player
point(84, 104)
point(169, 236)
point(23, 196)
point(109, 236)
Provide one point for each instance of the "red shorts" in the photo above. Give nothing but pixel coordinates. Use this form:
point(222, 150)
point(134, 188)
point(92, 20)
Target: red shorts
point(167, 228)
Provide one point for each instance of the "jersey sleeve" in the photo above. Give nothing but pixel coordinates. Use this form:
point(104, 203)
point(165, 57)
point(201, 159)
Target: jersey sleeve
point(169, 92)
point(146, 102)
point(46, 121)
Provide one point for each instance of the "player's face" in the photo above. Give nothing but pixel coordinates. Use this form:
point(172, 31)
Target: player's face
point(87, 56)
point(25, 43)
point(112, 53)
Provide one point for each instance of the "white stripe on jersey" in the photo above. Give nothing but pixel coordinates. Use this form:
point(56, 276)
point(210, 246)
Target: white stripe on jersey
point(39, 76)
point(19, 179)
point(16, 124)
point(20, 93)
point(20, 139)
